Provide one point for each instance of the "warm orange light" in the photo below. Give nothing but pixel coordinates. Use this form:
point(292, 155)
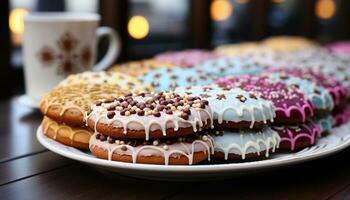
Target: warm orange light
point(16, 20)
point(325, 9)
point(220, 10)
point(138, 27)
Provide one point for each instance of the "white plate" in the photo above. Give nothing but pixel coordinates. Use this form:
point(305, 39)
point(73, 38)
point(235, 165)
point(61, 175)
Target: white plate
point(28, 101)
point(338, 140)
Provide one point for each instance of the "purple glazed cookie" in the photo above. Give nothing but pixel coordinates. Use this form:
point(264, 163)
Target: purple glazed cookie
point(291, 106)
point(341, 47)
point(340, 115)
point(297, 137)
point(335, 88)
point(186, 58)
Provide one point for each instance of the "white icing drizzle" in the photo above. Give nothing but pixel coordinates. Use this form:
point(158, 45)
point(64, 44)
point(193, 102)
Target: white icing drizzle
point(248, 141)
point(174, 150)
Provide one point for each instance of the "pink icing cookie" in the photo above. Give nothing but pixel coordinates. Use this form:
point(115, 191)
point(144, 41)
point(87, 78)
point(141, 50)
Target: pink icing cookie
point(341, 116)
point(338, 91)
point(187, 58)
point(291, 106)
point(299, 136)
point(341, 47)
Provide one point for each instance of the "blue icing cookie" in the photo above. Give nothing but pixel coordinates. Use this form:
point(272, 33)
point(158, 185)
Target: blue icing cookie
point(326, 123)
point(233, 108)
point(245, 142)
point(319, 96)
point(222, 67)
point(168, 79)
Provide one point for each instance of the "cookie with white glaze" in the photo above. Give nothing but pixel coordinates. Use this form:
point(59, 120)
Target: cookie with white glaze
point(245, 144)
point(140, 67)
point(169, 79)
point(233, 108)
point(68, 105)
point(291, 106)
point(74, 137)
point(123, 81)
point(186, 58)
point(221, 67)
point(319, 96)
point(150, 116)
point(178, 151)
point(296, 137)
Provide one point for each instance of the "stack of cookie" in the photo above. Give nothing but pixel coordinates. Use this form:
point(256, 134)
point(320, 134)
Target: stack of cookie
point(153, 128)
point(240, 120)
point(65, 107)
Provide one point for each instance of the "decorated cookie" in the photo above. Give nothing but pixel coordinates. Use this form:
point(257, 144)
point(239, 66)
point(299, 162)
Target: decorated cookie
point(178, 151)
point(169, 79)
point(187, 58)
point(288, 43)
point(341, 115)
point(233, 108)
point(319, 96)
point(291, 106)
point(75, 137)
point(298, 136)
point(221, 67)
point(334, 87)
point(139, 68)
point(102, 77)
point(246, 143)
point(150, 116)
point(341, 47)
point(69, 104)
point(239, 49)
point(325, 122)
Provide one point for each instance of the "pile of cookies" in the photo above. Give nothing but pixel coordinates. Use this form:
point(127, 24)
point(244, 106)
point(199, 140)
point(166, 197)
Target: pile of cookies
point(239, 102)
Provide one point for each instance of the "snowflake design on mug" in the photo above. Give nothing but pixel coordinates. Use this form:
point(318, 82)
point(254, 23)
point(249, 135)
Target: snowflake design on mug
point(67, 57)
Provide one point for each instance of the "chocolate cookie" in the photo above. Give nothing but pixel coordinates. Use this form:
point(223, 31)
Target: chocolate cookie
point(291, 106)
point(298, 136)
point(150, 116)
point(179, 151)
point(233, 108)
point(68, 105)
point(74, 137)
point(242, 144)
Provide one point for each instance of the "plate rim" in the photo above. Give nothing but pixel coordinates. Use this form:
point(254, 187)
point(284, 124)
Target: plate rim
point(223, 168)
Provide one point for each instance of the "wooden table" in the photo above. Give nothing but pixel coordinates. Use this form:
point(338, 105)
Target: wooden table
point(29, 171)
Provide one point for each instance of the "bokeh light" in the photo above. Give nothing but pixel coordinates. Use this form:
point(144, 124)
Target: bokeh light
point(138, 27)
point(220, 10)
point(16, 20)
point(325, 9)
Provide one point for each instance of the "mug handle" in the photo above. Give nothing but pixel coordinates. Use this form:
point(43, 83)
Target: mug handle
point(113, 48)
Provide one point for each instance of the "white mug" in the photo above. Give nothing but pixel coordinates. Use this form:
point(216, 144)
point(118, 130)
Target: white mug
point(59, 44)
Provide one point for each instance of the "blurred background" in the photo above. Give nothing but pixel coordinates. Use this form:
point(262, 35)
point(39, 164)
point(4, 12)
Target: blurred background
point(148, 27)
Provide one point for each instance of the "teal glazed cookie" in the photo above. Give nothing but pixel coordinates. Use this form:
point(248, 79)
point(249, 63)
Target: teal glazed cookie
point(168, 79)
point(233, 108)
point(319, 96)
point(245, 143)
point(221, 67)
point(325, 122)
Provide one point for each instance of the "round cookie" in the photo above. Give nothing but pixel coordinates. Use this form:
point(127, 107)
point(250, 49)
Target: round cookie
point(102, 77)
point(150, 116)
point(335, 88)
point(221, 67)
point(179, 151)
point(169, 79)
point(297, 136)
point(291, 106)
point(245, 144)
point(69, 104)
point(325, 122)
point(288, 43)
point(186, 58)
point(340, 47)
point(139, 68)
point(239, 49)
point(233, 108)
point(75, 137)
point(341, 116)
point(319, 96)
